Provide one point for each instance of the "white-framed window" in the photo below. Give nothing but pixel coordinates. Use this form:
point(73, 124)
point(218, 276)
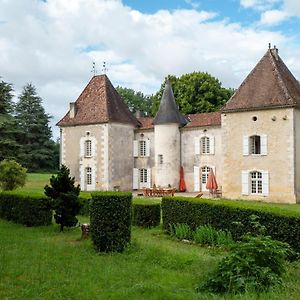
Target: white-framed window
point(88, 148)
point(205, 145)
point(256, 182)
point(143, 176)
point(204, 174)
point(142, 148)
point(88, 171)
point(254, 144)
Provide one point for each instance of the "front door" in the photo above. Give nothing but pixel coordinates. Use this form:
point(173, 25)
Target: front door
point(203, 177)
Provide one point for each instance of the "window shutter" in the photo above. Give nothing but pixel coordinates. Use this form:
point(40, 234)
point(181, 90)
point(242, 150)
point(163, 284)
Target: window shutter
point(212, 145)
point(265, 183)
point(147, 147)
point(135, 149)
point(135, 179)
point(245, 183)
point(197, 145)
point(245, 145)
point(196, 179)
point(149, 178)
point(264, 144)
point(214, 169)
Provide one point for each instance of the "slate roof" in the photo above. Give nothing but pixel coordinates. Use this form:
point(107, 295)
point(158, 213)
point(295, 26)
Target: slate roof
point(168, 111)
point(269, 85)
point(99, 103)
point(195, 120)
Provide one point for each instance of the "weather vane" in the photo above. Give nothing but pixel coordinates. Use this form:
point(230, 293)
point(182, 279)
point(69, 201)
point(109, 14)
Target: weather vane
point(104, 69)
point(94, 69)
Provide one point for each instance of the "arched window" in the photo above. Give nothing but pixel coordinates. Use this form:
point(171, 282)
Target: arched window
point(88, 148)
point(256, 182)
point(255, 144)
point(88, 175)
point(205, 145)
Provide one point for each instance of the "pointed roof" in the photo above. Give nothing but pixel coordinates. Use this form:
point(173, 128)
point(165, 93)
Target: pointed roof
point(99, 103)
point(168, 111)
point(269, 85)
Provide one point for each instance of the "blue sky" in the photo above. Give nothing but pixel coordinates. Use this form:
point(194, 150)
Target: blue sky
point(53, 43)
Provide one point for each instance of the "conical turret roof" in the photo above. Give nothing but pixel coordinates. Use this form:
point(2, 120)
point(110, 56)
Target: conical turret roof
point(99, 103)
point(168, 111)
point(269, 85)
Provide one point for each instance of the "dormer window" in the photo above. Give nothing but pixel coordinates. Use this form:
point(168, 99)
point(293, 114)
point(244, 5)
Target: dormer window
point(88, 148)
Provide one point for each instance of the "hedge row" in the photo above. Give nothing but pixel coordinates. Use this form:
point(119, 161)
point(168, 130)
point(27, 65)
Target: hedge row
point(146, 214)
point(29, 210)
point(280, 225)
point(110, 218)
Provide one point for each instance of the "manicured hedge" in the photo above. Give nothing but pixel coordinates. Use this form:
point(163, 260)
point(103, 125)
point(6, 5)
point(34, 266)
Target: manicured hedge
point(280, 224)
point(85, 205)
point(26, 209)
point(110, 218)
point(146, 215)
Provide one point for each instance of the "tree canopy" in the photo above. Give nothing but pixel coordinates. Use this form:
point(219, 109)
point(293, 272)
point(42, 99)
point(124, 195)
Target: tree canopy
point(136, 101)
point(195, 92)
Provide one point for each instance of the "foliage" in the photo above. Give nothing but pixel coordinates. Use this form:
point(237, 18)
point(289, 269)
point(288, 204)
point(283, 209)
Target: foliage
point(12, 175)
point(8, 126)
point(110, 217)
point(64, 195)
point(85, 205)
point(29, 210)
point(136, 101)
point(35, 133)
point(255, 263)
point(146, 215)
point(181, 231)
point(280, 224)
point(195, 92)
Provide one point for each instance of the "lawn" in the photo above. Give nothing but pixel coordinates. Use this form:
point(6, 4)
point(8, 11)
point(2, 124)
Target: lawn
point(43, 263)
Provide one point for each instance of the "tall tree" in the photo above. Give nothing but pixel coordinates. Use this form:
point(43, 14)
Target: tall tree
point(8, 126)
point(35, 135)
point(195, 92)
point(136, 101)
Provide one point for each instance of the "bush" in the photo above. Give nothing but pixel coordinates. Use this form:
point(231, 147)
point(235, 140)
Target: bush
point(110, 218)
point(12, 175)
point(181, 231)
point(64, 195)
point(84, 206)
point(254, 264)
point(29, 210)
point(226, 215)
point(146, 215)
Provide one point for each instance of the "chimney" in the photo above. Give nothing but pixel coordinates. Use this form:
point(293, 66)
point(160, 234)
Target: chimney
point(72, 110)
point(274, 52)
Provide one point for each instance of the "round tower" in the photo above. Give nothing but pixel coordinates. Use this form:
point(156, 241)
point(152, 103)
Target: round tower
point(167, 137)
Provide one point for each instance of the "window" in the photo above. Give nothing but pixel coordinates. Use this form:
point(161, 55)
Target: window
point(204, 174)
point(142, 148)
point(88, 148)
point(256, 182)
point(255, 145)
point(89, 175)
point(205, 145)
point(143, 176)
point(160, 159)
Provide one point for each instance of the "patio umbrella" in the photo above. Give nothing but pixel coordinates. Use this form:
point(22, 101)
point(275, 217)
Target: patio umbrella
point(211, 183)
point(182, 187)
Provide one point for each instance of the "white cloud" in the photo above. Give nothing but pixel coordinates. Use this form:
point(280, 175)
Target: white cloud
point(273, 17)
point(292, 7)
point(259, 4)
point(52, 44)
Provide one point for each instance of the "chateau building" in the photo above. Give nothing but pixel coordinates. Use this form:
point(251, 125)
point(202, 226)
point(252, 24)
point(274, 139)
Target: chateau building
point(252, 144)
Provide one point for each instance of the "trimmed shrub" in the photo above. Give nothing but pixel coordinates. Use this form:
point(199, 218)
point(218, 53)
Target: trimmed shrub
point(227, 215)
point(110, 218)
point(12, 175)
point(146, 215)
point(29, 210)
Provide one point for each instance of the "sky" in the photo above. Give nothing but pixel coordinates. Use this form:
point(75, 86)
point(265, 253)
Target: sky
point(53, 43)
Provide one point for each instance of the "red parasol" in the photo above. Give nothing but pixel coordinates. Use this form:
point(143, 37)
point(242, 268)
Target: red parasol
point(182, 187)
point(211, 183)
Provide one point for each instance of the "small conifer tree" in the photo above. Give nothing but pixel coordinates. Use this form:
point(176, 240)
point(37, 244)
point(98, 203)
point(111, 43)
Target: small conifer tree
point(64, 195)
